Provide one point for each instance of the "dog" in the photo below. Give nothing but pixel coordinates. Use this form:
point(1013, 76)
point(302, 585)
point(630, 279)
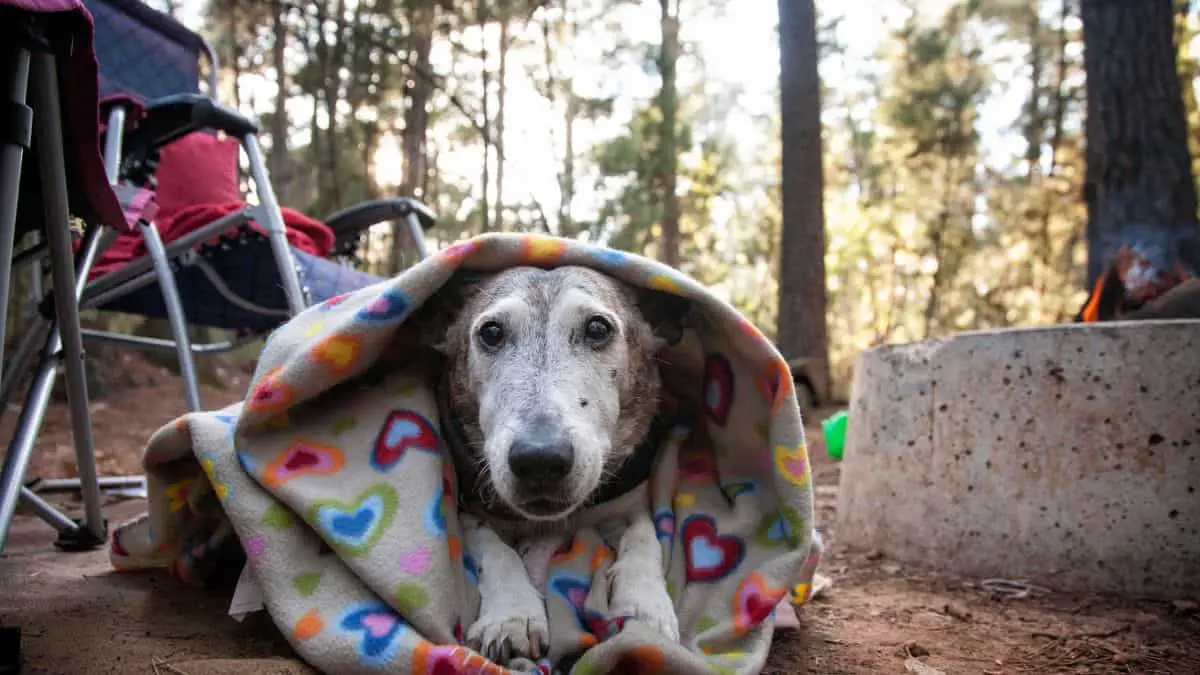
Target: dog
point(548, 398)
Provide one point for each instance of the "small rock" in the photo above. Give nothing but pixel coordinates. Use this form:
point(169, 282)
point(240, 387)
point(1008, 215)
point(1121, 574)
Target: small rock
point(915, 650)
point(890, 568)
point(956, 612)
point(875, 555)
point(1185, 607)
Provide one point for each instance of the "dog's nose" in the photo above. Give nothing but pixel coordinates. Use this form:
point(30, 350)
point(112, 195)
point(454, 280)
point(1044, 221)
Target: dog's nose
point(544, 456)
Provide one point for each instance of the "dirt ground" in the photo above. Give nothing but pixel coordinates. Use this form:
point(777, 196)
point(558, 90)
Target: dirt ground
point(77, 616)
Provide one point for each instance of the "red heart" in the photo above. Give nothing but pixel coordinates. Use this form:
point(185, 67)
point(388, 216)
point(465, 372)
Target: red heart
point(717, 394)
point(402, 430)
point(708, 555)
point(301, 458)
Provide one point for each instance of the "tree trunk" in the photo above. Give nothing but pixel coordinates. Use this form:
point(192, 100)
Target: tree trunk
point(485, 212)
point(335, 54)
point(501, 93)
point(276, 161)
point(1138, 187)
point(235, 63)
point(416, 122)
point(802, 295)
point(668, 103)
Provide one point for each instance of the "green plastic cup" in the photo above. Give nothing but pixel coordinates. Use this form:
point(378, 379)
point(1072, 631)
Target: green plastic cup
point(834, 429)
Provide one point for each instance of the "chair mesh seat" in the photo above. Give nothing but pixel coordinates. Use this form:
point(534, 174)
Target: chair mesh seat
point(244, 262)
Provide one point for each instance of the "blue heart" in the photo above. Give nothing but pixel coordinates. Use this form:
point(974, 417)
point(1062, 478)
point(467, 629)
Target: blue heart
point(387, 306)
point(435, 518)
point(705, 556)
point(354, 527)
point(377, 647)
point(612, 257)
point(779, 531)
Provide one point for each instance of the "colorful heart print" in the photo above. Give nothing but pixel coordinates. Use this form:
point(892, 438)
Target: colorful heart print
point(435, 515)
point(717, 396)
point(352, 528)
point(791, 463)
point(338, 353)
point(775, 384)
point(416, 561)
point(709, 555)
point(431, 659)
point(403, 430)
point(456, 253)
point(738, 488)
point(641, 660)
point(302, 458)
point(269, 395)
point(774, 530)
point(389, 305)
point(697, 467)
point(664, 524)
point(335, 301)
point(378, 629)
point(753, 601)
point(540, 249)
point(574, 589)
point(611, 257)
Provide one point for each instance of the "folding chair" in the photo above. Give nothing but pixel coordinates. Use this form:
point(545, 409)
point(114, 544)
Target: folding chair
point(237, 272)
point(48, 99)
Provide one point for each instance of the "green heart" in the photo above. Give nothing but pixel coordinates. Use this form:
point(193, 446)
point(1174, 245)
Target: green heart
point(704, 623)
point(278, 517)
point(344, 424)
point(410, 598)
point(306, 583)
point(385, 492)
point(795, 520)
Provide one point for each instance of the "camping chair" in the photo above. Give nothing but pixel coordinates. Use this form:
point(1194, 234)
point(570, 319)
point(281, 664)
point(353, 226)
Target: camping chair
point(238, 271)
point(47, 71)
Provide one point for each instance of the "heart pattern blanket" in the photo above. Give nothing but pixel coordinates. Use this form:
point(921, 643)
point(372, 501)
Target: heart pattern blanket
point(331, 482)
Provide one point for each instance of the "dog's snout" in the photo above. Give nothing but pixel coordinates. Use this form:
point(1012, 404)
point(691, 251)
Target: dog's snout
point(544, 455)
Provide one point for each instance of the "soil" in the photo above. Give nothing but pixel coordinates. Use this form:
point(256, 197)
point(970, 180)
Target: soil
point(78, 616)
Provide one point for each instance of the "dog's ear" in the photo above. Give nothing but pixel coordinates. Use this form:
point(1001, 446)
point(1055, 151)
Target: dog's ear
point(437, 314)
point(666, 313)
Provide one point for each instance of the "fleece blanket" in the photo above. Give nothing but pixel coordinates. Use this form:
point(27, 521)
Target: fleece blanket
point(332, 478)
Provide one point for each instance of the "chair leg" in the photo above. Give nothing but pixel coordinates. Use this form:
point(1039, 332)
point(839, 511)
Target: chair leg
point(175, 315)
point(276, 229)
point(12, 151)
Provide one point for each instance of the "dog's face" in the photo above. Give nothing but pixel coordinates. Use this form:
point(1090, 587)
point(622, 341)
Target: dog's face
point(554, 380)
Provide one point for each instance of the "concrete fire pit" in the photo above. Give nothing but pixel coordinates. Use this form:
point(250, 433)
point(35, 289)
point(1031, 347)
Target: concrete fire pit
point(1067, 456)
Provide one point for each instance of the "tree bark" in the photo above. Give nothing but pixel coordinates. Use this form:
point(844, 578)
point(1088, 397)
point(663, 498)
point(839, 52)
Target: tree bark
point(485, 212)
point(1139, 186)
point(416, 122)
point(501, 93)
point(277, 160)
point(668, 103)
point(802, 293)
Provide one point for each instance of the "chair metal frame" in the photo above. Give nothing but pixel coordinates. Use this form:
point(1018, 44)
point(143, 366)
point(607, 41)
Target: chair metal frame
point(73, 292)
point(32, 91)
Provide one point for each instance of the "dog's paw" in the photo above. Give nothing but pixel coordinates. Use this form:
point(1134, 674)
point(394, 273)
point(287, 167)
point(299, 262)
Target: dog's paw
point(652, 606)
point(515, 628)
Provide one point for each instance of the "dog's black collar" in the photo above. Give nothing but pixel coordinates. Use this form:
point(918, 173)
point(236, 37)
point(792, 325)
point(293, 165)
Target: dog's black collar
point(635, 471)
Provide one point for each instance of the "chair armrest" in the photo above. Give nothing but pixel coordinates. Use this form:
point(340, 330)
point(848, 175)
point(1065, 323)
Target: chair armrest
point(349, 223)
point(173, 117)
point(361, 216)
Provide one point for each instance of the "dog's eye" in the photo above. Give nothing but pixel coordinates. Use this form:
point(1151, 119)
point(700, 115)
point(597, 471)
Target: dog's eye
point(491, 334)
point(597, 330)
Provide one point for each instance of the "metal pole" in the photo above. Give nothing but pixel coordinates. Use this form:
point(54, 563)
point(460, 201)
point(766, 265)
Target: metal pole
point(49, 144)
point(276, 230)
point(11, 155)
point(175, 314)
point(113, 135)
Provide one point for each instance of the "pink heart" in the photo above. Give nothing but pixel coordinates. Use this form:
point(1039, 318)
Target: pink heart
point(254, 547)
point(577, 596)
point(416, 562)
point(378, 624)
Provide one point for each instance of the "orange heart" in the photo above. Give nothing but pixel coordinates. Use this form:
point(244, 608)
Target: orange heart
point(308, 626)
